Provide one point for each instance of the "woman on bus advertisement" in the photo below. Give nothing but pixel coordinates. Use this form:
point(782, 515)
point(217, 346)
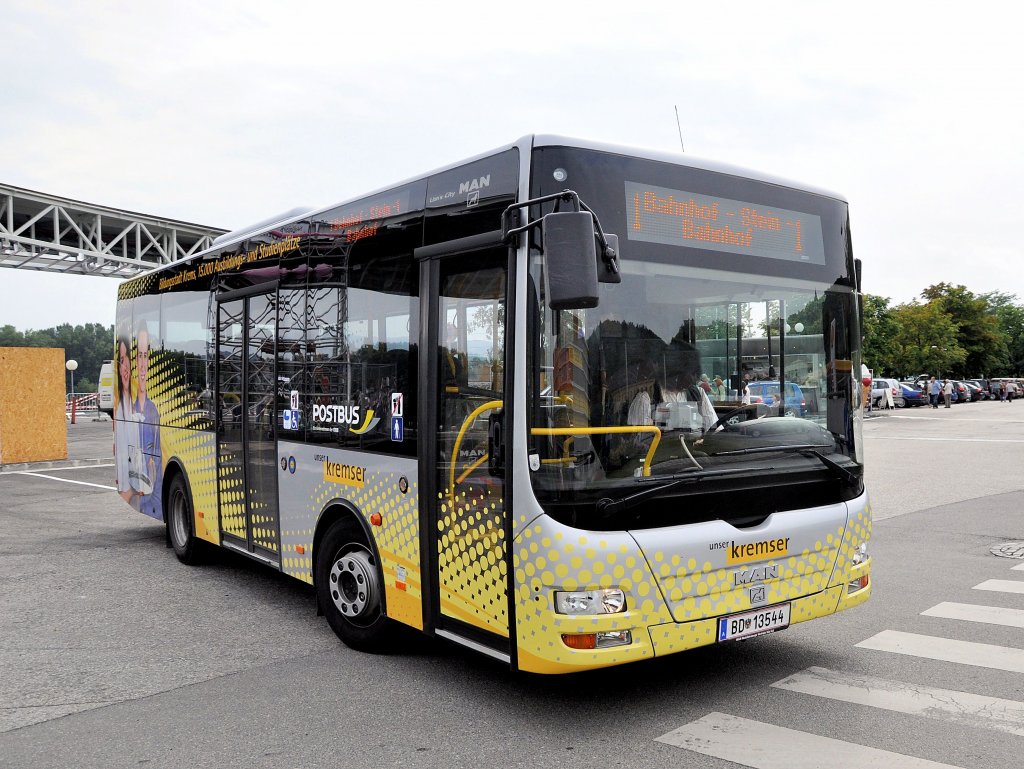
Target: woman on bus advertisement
point(147, 480)
point(127, 436)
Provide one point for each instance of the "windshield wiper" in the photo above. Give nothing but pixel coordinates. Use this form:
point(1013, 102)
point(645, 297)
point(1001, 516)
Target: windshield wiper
point(609, 507)
point(804, 449)
point(789, 447)
point(841, 472)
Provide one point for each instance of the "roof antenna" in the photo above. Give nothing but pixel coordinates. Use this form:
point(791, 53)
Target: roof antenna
point(680, 127)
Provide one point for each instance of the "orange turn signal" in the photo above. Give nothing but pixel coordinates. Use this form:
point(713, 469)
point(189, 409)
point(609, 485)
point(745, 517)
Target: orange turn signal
point(585, 641)
point(375, 519)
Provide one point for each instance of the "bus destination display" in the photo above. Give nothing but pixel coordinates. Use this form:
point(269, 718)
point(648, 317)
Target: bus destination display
point(681, 218)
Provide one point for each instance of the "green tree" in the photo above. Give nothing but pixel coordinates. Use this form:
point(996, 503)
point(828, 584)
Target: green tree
point(1010, 316)
point(926, 340)
point(879, 329)
point(978, 331)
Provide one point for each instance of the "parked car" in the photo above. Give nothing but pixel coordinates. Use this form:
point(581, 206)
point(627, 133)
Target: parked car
point(984, 386)
point(913, 395)
point(960, 392)
point(976, 393)
point(769, 394)
point(878, 389)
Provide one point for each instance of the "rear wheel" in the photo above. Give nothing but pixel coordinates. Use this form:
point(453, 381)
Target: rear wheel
point(350, 589)
point(180, 521)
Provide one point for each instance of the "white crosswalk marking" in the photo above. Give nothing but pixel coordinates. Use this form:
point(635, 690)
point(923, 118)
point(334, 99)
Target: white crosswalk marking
point(1019, 567)
point(948, 650)
point(969, 612)
point(764, 746)
point(963, 708)
point(1002, 585)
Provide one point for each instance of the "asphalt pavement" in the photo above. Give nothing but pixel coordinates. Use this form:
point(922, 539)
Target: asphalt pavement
point(112, 654)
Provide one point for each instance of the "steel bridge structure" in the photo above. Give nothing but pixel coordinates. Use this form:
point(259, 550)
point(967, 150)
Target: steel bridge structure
point(44, 232)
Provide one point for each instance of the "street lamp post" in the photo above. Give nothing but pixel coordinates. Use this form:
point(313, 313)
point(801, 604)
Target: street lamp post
point(71, 365)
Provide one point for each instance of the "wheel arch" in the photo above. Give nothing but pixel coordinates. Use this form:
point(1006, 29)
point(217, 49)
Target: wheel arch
point(338, 510)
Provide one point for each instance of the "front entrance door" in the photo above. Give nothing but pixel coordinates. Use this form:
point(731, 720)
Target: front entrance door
point(246, 424)
point(468, 316)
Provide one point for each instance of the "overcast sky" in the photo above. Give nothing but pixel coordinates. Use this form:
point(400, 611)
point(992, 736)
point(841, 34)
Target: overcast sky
point(224, 113)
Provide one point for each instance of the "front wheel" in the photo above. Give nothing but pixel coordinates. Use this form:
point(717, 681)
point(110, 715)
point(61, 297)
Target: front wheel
point(350, 589)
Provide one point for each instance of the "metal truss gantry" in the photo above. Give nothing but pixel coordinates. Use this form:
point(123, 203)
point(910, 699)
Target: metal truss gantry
point(45, 232)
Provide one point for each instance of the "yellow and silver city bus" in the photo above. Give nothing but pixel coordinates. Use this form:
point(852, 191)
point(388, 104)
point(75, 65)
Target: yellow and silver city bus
point(521, 403)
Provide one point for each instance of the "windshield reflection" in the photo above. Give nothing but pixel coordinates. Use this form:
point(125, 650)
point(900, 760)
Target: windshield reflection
point(681, 368)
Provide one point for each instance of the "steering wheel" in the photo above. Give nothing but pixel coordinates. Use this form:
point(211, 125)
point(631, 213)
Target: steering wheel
point(723, 421)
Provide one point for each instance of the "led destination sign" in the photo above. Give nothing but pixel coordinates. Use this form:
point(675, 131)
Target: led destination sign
point(680, 218)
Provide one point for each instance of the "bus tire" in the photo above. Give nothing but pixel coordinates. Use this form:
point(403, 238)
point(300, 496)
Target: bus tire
point(180, 522)
point(350, 589)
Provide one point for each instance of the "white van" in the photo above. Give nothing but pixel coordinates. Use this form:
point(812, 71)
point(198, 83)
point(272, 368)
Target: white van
point(106, 387)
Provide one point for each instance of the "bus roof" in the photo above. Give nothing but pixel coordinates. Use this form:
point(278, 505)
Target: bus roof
point(524, 144)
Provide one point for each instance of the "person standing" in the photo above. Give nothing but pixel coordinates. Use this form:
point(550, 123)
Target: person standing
point(719, 392)
point(934, 390)
point(947, 392)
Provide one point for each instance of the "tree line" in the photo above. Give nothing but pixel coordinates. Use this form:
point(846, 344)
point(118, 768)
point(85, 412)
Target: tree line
point(953, 333)
point(89, 344)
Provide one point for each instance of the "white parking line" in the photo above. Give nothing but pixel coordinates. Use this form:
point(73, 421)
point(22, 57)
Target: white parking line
point(947, 650)
point(764, 746)
point(1002, 585)
point(64, 480)
point(947, 440)
point(1019, 567)
point(969, 612)
point(962, 708)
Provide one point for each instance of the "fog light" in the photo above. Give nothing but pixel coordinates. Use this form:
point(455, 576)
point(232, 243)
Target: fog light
point(614, 638)
point(857, 584)
point(601, 640)
point(605, 601)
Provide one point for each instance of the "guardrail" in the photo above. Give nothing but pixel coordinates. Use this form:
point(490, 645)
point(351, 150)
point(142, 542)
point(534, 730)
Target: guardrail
point(81, 403)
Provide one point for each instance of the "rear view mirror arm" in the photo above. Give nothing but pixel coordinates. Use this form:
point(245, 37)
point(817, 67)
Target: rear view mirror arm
point(609, 250)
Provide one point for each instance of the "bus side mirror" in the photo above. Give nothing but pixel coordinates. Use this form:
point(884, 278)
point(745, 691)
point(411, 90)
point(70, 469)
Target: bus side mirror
point(570, 257)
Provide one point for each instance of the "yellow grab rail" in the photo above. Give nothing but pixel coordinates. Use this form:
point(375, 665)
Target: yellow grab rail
point(655, 431)
point(458, 442)
point(568, 431)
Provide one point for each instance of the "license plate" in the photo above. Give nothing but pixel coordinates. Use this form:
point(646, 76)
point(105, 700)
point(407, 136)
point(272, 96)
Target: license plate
point(751, 623)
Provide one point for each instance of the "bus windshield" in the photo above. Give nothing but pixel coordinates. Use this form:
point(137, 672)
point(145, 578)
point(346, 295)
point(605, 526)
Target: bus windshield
point(696, 363)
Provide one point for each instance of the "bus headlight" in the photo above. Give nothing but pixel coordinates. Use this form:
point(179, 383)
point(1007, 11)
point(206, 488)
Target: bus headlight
point(860, 554)
point(604, 601)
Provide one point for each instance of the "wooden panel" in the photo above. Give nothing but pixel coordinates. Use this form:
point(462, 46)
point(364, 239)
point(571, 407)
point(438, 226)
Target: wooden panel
point(33, 426)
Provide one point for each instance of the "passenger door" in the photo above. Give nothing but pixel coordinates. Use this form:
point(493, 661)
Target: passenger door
point(465, 373)
point(247, 422)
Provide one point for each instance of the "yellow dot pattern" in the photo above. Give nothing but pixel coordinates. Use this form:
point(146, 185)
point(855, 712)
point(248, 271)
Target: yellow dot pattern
point(306, 494)
point(182, 435)
point(472, 572)
point(138, 286)
point(677, 587)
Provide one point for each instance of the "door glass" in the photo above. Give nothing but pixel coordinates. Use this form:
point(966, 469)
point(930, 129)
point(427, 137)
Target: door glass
point(470, 322)
point(230, 410)
point(246, 394)
point(261, 419)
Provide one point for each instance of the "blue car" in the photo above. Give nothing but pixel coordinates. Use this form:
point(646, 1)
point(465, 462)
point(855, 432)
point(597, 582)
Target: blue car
point(796, 405)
